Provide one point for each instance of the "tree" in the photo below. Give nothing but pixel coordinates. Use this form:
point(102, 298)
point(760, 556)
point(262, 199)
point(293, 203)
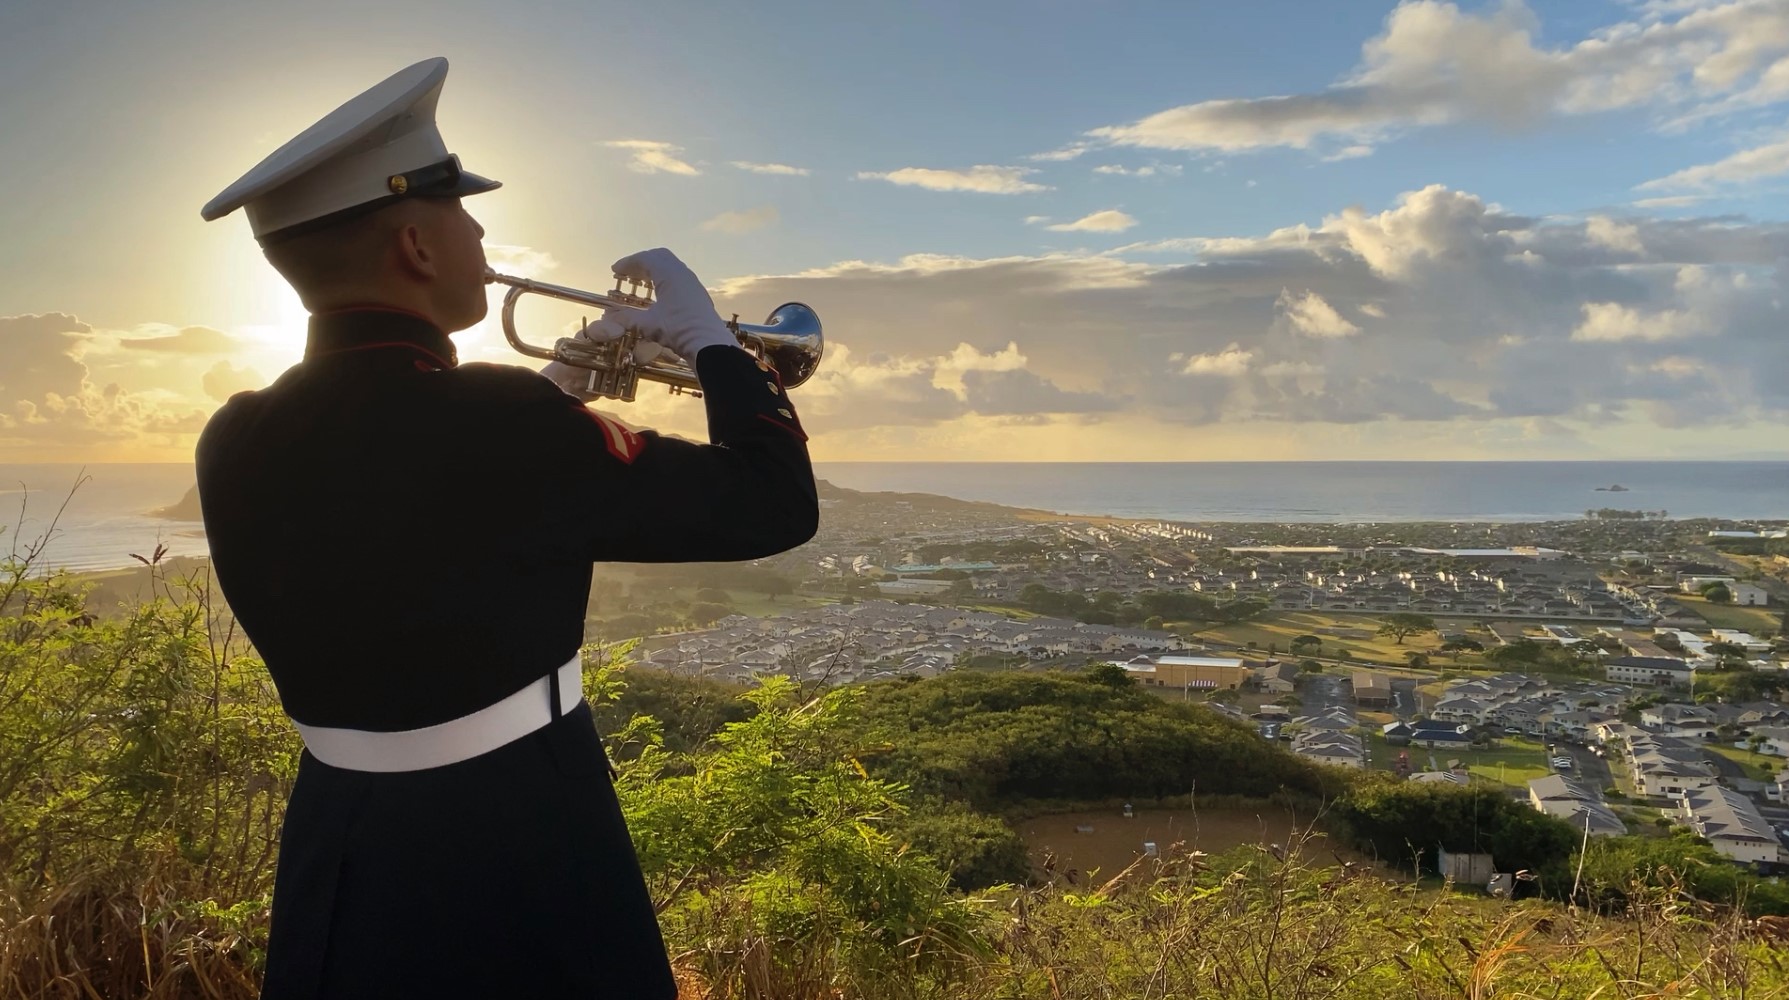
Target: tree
point(703, 613)
point(1311, 667)
point(1417, 659)
point(1522, 651)
point(1717, 593)
point(1726, 651)
point(1403, 624)
point(775, 585)
point(1306, 644)
point(1454, 647)
point(1109, 674)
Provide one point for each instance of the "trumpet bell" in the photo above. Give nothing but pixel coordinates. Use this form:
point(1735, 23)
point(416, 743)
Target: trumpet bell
point(790, 342)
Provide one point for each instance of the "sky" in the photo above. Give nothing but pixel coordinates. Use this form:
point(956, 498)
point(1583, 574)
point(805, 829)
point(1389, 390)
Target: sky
point(1045, 231)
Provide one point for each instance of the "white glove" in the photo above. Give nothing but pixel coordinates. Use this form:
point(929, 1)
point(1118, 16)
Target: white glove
point(681, 317)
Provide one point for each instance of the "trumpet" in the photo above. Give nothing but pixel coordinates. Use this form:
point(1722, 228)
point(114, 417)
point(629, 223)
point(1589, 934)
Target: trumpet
point(789, 341)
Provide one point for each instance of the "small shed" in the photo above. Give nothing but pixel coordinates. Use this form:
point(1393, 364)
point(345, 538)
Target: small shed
point(1464, 867)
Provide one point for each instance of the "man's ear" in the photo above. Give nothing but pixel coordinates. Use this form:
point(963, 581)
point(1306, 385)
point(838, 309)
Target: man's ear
point(415, 255)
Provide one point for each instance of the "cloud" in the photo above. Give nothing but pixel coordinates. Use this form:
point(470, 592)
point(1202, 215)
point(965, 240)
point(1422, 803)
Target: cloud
point(1349, 153)
point(1613, 321)
point(1672, 201)
point(1018, 392)
point(1769, 160)
point(1231, 361)
point(1068, 152)
point(1434, 64)
point(1148, 170)
point(518, 259)
point(223, 380)
point(980, 179)
point(779, 169)
point(1440, 308)
point(739, 223)
point(1606, 232)
point(1309, 314)
point(1108, 221)
point(51, 409)
point(192, 340)
point(650, 157)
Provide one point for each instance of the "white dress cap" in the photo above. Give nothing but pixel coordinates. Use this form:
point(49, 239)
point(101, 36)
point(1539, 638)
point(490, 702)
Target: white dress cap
point(371, 151)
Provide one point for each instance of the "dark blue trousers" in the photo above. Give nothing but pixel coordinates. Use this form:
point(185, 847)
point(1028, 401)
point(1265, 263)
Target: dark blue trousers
point(507, 875)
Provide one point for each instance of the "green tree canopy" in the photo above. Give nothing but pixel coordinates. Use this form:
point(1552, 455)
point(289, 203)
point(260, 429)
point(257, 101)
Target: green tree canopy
point(1403, 624)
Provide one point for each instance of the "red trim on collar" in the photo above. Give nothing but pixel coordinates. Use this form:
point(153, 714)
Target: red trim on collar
point(438, 359)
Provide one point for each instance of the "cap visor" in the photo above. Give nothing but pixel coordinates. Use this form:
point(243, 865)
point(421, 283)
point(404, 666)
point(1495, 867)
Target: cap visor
point(469, 184)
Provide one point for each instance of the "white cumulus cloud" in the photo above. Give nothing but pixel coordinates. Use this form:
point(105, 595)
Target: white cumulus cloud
point(1436, 64)
point(1310, 314)
point(1231, 361)
point(1108, 221)
point(779, 169)
point(651, 157)
point(981, 179)
point(1614, 321)
point(1769, 160)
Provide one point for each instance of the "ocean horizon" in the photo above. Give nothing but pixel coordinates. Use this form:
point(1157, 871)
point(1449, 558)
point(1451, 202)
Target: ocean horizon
point(108, 519)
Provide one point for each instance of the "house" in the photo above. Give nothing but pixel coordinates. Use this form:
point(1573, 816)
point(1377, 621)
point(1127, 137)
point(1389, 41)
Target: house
point(1277, 678)
point(1749, 594)
point(1564, 799)
point(1662, 671)
point(1440, 777)
point(1744, 640)
point(1665, 766)
point(1776, 739)
point(1371, 688)
point(1189, 672)
point(1730, 822)
point(1680, 720)
point(1396, 734)
point(1332, 721)
point(1455, 709)
point(1336, 749)
point(1439, 733)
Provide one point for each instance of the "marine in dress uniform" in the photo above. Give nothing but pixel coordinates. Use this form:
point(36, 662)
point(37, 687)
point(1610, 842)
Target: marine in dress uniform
point(408, 542)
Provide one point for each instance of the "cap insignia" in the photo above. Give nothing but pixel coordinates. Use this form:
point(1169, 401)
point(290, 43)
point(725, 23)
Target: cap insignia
point(398, 183)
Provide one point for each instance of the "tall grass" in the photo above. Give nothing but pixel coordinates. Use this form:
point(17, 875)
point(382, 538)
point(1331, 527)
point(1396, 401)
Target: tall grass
point(144, 768)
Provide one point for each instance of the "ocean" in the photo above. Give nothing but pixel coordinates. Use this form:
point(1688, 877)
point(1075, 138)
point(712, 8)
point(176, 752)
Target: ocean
point(107, 520)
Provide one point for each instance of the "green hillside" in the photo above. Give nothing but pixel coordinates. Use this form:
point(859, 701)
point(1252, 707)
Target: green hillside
point(845, 845)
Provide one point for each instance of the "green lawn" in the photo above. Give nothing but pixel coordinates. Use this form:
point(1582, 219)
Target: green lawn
point(1747, 619)
point(1512, 762)
point(1280, 628)
point(1761, 766)
point(1515, 762)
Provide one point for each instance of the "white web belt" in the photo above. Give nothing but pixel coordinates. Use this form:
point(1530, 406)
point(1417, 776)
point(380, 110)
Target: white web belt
point(454, 740)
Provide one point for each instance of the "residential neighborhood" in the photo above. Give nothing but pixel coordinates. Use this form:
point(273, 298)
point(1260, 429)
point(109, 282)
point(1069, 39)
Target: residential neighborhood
point(1620, 675)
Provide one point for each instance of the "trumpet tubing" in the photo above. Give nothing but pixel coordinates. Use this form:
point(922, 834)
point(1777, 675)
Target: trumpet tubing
point(789, 341)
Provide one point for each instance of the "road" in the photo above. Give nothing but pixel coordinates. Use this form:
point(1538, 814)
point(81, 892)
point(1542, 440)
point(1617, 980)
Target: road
point(1588, 769)
point(1322, 692)
point(1406, 700)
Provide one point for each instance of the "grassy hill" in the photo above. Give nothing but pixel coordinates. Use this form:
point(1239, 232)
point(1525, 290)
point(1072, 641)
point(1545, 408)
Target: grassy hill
point(816, 848)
